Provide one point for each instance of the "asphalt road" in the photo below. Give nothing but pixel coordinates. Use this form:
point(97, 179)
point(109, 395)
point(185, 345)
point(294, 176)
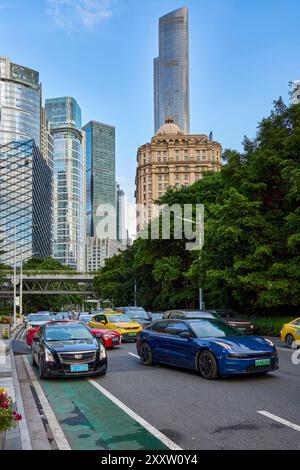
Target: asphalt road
point(199, 414)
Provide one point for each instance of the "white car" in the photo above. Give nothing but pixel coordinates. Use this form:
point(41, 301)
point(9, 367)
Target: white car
point(37, 319)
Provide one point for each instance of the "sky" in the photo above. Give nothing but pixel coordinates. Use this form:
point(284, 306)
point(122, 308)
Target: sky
point(243, 53)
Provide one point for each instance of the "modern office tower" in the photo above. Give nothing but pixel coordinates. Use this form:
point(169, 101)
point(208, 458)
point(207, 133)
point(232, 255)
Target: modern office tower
point(171, 71)
point(47, 141)
point(122, 233)
point(296, 92)
point(20, 103)
point(25, 201)
point(98, 250)
point(100, 180)
point(172, 159)
point(64, 116)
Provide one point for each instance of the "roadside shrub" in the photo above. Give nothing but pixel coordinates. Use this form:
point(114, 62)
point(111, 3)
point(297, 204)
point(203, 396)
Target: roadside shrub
point(270, 326)
point(6, 320)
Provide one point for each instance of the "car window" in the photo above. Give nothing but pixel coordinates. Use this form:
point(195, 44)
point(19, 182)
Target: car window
point(297, 322)
point(175, 328)
point(212, 328)
point(159, 327)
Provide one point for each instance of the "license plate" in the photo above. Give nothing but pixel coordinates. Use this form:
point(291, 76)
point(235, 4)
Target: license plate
point(115, 340)
point(262, 362)
point(79, 368)
point(131, 334)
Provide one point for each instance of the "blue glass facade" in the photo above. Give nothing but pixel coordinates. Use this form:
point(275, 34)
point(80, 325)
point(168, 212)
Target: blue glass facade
point(100, 174)
point(20, 103)
point(64, 116)
point(25, 201)
point(171, 71)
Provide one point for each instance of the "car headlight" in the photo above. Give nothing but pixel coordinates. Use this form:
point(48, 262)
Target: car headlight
point(224, 345)
point(48, 355)
point(102, 354)
point(269, 341)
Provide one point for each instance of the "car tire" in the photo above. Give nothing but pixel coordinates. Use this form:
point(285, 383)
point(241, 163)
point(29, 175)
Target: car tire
point(207, 365)
point(289, 340)
point(41, 369)
point(146, 354)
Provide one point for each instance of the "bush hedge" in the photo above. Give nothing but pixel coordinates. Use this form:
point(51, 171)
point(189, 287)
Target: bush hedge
point(270, 326)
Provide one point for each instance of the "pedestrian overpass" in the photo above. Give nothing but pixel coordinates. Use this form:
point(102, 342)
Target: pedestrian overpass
point(48, 284)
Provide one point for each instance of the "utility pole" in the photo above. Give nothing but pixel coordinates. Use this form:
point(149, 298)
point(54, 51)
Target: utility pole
point(15, 280)
point(21, 287)
point(135, 292)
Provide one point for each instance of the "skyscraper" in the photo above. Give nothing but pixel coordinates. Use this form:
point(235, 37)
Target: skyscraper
point(64, 116)
point(20, 103)
point(100, 178)
point(296, 92)
point(25, 201)
point(171, 71)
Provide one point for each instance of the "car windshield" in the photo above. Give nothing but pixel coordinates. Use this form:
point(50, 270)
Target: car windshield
point(118, 318)
point(33, 318)
point(137, 313)
point(85, 318)
point(67, 332)
point(210, 328)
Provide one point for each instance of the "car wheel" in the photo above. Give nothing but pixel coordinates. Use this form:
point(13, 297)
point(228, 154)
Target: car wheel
point(41, 369)
point(289, 340)
point(146, 355)
point(207, 365)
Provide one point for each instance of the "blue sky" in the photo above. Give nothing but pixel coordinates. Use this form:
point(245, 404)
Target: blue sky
point(243, 53)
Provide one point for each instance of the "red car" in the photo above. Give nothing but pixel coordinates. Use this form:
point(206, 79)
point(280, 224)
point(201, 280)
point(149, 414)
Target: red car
point(30, 334)
point(110, 338)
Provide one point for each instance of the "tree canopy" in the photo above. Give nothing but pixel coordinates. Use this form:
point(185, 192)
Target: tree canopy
point(250, 260)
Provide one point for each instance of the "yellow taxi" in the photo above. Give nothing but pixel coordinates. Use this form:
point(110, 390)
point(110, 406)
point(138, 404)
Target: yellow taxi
point(117, 321)
point(290, 333)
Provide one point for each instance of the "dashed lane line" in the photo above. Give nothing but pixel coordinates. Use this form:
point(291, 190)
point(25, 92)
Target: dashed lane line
point(296, 427)
point(134, 355)
point(151, 429)
point(57, 432)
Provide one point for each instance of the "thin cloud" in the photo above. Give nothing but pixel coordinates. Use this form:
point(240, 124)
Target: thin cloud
point(72, 15)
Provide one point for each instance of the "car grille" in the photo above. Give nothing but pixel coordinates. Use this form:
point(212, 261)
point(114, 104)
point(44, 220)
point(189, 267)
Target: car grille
point(73, 358)
point(131, 328)
point(252, 356)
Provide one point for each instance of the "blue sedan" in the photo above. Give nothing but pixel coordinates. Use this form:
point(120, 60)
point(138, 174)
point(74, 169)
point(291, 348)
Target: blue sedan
point(209, 346)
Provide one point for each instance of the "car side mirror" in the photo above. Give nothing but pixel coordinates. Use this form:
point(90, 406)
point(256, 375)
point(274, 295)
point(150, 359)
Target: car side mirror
point(185, 335)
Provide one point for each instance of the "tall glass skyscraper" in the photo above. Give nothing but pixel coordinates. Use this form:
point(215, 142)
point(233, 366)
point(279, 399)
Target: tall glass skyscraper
point(100, 177)
point(20, 103)
point(25, 202)
point(171, 71)
point(64, 116)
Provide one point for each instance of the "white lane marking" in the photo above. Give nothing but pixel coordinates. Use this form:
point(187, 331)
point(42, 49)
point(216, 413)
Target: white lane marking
point(296, 427)
point(286, 350)
point(160, 436)
point(134, 355)
point(57, 432)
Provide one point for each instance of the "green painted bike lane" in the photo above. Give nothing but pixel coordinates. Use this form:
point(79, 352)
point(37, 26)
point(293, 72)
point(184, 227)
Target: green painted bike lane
point(91, 421)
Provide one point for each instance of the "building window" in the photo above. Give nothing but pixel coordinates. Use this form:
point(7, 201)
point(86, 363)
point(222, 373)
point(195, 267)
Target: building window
point(186, 177)
point(160, 186)
point(177, 177)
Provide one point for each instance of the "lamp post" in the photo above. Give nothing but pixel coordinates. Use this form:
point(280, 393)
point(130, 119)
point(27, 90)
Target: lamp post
point(15, 280)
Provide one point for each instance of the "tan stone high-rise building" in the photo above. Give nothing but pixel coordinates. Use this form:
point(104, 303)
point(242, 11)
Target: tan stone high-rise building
point(172, 159)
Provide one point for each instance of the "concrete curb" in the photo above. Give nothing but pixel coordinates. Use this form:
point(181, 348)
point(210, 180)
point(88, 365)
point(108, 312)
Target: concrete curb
point(23, 425)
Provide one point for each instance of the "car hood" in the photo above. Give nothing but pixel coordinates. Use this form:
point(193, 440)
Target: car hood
point(243, 344)
point(126, 325)
point(73, 346)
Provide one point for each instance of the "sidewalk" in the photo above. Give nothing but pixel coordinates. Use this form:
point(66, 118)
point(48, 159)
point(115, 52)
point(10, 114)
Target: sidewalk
point(13, 437)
